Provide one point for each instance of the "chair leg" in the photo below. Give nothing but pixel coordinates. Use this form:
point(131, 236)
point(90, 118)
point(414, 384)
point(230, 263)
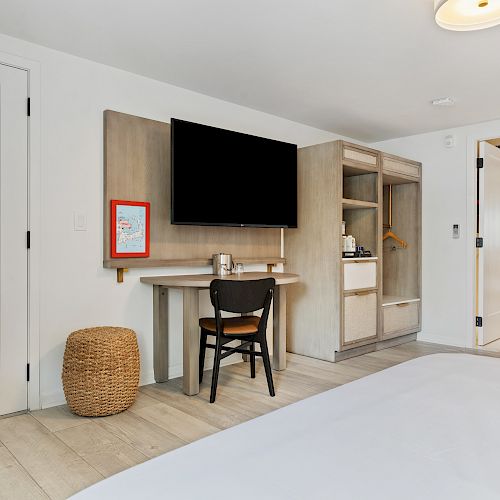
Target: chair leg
point(203, 349)
point(215, 373)
point(267, 366)
point(252, 360)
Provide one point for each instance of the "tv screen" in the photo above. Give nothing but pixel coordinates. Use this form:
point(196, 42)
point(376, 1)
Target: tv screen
point(225, 178)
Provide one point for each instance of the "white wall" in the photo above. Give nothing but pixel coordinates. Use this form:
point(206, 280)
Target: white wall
point(75, 291)
point(448, 195)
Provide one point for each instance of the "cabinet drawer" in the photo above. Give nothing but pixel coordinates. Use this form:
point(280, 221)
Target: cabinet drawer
point(360, 317)
point(400, 167)
point(360, 274)
point(360, 156)
point(401, 317)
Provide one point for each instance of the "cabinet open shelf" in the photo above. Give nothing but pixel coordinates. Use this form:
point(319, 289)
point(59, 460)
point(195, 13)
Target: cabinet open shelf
point(348, 204)
point(351, 168)
point(391, 300)
point(388, 179)
point(356, 259)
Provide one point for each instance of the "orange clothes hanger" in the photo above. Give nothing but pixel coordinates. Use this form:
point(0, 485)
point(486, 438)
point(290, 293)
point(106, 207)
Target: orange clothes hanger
point(389, 234)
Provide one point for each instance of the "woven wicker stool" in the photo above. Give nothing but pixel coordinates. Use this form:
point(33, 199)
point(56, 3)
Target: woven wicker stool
point(101, 370)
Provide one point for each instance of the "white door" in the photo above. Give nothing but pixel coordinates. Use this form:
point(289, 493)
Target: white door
point(488, 272)
point(13, 239)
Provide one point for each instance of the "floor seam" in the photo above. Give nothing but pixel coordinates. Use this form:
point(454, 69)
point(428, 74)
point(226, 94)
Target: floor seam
point(26, 470)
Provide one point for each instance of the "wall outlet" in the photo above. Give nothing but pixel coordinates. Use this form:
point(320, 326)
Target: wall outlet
point(79, 221)
point(456, 231)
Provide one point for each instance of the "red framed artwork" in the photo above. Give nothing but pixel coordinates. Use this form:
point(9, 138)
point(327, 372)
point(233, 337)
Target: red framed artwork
point(129, 229)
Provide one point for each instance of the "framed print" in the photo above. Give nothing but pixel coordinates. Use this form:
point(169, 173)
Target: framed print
point(129, 229)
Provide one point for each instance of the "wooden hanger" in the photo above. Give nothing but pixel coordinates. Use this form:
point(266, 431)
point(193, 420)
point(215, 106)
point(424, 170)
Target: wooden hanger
point(390, 234)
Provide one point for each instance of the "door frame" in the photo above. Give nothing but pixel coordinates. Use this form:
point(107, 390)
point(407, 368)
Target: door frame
point(479, 276)
point(484, 133)
point(34, 202)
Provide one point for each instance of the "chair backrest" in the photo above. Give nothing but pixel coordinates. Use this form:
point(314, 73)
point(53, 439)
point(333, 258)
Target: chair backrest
point(241, 296)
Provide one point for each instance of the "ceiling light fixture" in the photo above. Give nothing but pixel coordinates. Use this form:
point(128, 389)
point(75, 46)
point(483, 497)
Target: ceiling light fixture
point(467, 15)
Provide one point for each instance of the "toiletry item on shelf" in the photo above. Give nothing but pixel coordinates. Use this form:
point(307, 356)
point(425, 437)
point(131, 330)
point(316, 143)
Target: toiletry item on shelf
point(343, 228)
point(350, 243)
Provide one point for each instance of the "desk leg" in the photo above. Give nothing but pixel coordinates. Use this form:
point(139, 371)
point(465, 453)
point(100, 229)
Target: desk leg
point(160, 333)
point(279, 328)
point(191, 341)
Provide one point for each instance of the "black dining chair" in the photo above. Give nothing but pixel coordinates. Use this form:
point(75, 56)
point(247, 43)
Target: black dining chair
point(243, 297)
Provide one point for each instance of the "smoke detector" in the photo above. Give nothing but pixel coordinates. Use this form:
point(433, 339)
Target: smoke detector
point(443, 101)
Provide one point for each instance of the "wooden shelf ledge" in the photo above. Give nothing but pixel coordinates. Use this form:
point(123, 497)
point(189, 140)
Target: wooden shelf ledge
point(392, 300)
point(145, 263)
point(352, 168)
point(348, 204)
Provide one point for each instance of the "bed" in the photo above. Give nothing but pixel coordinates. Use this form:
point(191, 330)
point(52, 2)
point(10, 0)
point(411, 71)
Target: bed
point(424, 429)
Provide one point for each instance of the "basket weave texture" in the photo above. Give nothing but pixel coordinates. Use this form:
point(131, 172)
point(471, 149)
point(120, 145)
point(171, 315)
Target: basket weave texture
point(101, 370)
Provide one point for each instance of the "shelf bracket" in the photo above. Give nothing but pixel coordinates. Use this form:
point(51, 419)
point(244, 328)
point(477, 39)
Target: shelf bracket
point(119, 274)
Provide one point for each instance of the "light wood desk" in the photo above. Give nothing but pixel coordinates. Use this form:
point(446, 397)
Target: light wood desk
point(190, 286)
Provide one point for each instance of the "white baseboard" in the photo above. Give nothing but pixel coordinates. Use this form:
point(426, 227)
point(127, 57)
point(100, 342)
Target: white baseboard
point(175, 371)
point(439, 339)
point(48, 400)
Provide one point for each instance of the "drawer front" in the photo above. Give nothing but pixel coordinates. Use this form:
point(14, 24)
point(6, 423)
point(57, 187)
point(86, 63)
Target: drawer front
point(362, 274)
point(400, 317)
point(400, 167)
point(360, 156)
point(360, 317)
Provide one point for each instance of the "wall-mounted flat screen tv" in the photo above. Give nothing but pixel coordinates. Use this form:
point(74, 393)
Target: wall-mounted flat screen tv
point(225, 178)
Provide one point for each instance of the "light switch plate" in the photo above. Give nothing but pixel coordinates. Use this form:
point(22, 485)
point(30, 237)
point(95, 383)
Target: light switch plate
point(79, 221)
point(456, 231)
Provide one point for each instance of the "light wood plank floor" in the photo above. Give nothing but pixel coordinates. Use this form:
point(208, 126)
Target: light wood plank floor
point(53, 453)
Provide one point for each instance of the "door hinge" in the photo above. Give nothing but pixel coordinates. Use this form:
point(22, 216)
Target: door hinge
point(479, 242)
point(28, 107)
point(480, 163)
point(28, 372)
point(479, 321)
point(28, 239)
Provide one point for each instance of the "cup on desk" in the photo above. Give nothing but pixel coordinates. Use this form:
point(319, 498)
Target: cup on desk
point(239, 268)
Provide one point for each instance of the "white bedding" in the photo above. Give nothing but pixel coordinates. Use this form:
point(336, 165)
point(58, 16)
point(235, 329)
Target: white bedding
point(425, 429)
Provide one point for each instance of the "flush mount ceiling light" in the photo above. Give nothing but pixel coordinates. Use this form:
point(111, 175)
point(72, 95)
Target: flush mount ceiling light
point(467, 15)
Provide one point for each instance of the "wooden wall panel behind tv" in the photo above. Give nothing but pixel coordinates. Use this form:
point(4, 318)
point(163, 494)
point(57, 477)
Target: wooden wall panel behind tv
point(137, 168)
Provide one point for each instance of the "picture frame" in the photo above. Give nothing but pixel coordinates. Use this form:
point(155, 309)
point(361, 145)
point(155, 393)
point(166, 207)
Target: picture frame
point(130, 229)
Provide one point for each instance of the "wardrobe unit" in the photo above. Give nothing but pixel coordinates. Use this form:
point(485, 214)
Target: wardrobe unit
point(348, 306)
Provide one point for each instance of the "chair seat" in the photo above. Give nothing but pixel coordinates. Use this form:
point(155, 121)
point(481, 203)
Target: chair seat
point(240, 325)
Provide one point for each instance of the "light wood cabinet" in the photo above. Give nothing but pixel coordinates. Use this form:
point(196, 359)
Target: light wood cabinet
point(401, 266)
point(360, 155)
point(400, 166)
point(360, 274)
point(338, 308)
point(401, 318)
point(360, 317)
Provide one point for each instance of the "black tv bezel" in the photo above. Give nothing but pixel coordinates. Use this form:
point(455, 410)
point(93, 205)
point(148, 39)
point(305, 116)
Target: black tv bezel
point(220, 224)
